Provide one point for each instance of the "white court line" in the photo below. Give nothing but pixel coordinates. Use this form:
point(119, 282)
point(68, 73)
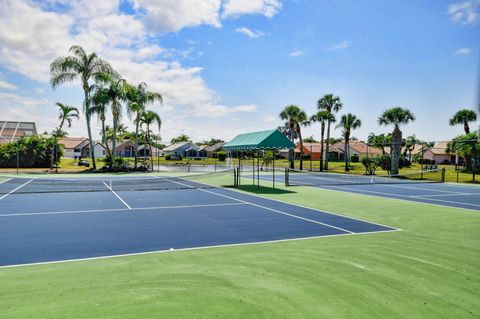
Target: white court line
point(358, 191)
point(119, 209)
point(6, 180)
point(114, 193)
point(443, 195)
point(195, 248)
point(16, 189)
point(317, 209)
point(419, 188)
point(267, 208)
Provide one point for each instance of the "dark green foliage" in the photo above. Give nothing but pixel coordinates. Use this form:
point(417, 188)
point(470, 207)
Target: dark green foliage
point(370, 165)
point(222, 156)
point(34, 152)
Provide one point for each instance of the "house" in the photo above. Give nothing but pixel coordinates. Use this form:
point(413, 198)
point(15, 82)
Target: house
point(79, 147)
point(213, 149)
point(438, 153)
point(10, 131)
point(337, 151)
point(178, 149)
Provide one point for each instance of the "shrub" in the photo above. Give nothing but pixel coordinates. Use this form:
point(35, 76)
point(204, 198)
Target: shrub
point(370, 165)
point(33, 151)
point(222, 156)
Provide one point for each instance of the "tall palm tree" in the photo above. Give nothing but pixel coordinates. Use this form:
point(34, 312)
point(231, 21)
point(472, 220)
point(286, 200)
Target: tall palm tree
point(348, 122)
point(294, 118)
point(116, 90)
point(138, 97)
point(99, 106)
point(332, 105)
point(67, 113)
point(396, 117)
point(464, 117)
point(84, 67)
point(323, 117)
point(148, 119)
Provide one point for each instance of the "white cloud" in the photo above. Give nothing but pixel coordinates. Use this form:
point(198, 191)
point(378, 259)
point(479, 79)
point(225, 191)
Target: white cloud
point(235, 8)
point(249, 32)
point(296, 53)
point(463, 51)
point(173, 15)
point(267, 118)
point(465, 12)
point(339, 46)
point(40, 91)
point(32, 36)
point(7, 85)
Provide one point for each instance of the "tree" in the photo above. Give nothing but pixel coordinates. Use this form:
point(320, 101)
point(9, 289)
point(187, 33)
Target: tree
point(396, 117)
point(294, 118)
point(148, 119)
point(182, 138)
point(67, 113)
point(380, 141)
point(115, 88)
point(468, 146)
point(348, 122)
point(322, 117)
point(138, 97)
point(99, 105)
point(84, 67)
point(310, 139)
point(410, 143)
point(332, 105)
point(463, 117)
point(211, 142)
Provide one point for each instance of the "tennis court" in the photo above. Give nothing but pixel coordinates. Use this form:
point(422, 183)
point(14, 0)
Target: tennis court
point(46, 220)
point(424, 187)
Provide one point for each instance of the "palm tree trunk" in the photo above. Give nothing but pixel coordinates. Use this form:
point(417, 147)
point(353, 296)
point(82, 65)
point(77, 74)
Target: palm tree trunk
point(327, 145)
point(466, 128)
point(89, 129)
point(396, 144)
point(301, 148)
point(321, 146)
point(347, 151)
point(136, 141)
point(115, 127)
point(291, 152)
point(104, 137)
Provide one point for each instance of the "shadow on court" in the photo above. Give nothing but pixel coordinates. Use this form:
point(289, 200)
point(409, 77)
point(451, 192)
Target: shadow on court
point(264, 190)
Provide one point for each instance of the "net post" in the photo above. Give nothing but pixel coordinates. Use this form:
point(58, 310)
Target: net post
point(443, 175)
point(286, 177)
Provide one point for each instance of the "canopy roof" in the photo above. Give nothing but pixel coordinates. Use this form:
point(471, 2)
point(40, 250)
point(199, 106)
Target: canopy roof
point(263, 140)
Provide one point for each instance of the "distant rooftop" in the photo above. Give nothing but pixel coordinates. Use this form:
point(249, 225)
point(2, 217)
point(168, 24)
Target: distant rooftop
point(10, 131)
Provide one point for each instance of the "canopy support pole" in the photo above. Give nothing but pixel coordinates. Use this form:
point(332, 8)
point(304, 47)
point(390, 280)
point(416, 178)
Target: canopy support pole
point(273, 168)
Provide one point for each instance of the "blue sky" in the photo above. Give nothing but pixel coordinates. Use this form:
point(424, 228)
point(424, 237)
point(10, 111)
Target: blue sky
point(230, 66)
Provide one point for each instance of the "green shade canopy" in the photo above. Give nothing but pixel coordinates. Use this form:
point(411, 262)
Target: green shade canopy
point(263, 140)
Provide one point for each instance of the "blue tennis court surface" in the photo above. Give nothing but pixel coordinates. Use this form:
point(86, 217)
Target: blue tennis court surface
point(48, 227)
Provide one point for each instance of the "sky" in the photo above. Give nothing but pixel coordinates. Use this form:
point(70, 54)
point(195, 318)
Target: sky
point(226, 67)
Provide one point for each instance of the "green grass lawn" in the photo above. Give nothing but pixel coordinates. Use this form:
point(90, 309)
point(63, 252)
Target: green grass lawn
point(430, 269)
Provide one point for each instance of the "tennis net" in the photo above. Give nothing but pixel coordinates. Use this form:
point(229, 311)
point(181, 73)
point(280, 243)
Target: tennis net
point(310, 178)
point(25, 185)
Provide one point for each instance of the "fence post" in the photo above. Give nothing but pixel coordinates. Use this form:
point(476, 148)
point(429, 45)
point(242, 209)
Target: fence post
point(18, 156)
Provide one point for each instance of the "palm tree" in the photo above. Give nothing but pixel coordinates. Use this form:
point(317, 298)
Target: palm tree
point(67, 113)
point(150, 118)
point(116, 90)
point(410, 143)
point(348, 122)
point(322, 117)
point(180, 139)
point(84, 67)
point(99, 105)
point(138, 97)
point(380, 141)
point(294, 118)
point(396, 116)
point(332, 105)
point(464, 117)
